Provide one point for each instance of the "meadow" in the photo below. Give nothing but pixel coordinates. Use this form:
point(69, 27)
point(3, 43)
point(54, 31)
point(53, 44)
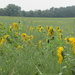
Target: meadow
point(37, 46)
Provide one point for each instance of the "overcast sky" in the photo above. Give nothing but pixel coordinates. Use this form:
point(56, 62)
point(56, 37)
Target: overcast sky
point(37, 4)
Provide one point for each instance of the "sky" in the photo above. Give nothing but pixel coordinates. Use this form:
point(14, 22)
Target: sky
point(37, 4)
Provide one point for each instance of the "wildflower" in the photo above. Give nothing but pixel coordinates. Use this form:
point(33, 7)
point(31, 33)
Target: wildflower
point(0, 23)
point(0, 42)
point(5, 36)
point(67, 40)
point(10, 28)
point(31, 36)
point(74, 52)
point(15, 26)
point(47, 40)
point(73, 49)
point(28, 40)
point(72, 40)
point(25, 37)
point(24, 34)
point(19, 47)
point(31, 28)
point(47, 27)
point(60, 30)
point(3, 40)
point(57, 28)
point(40, 43)
point(40, 28)
point(51, 31)
point(61, 35)
point(60, 59)
point(60, 54)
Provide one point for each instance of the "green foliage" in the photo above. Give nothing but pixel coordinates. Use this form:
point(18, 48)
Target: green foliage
point(13, 10)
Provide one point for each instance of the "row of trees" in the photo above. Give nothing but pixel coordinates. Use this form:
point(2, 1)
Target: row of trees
point(14, 10)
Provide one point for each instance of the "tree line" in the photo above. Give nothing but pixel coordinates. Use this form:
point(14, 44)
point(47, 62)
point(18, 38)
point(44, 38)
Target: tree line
point(14, 10)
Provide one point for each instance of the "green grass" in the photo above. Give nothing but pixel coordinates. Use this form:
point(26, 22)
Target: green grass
point(31, 59)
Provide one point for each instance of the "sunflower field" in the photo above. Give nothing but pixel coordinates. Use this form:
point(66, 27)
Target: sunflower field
point(37, 46)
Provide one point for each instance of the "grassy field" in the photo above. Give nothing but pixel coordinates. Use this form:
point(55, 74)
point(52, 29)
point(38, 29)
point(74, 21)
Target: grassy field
point(37, 46)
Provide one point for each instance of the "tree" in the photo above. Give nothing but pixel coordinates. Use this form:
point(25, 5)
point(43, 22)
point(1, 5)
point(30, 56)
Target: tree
point(24, 13)
point(30, 13)
point(2, 12)
point(13, 10)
